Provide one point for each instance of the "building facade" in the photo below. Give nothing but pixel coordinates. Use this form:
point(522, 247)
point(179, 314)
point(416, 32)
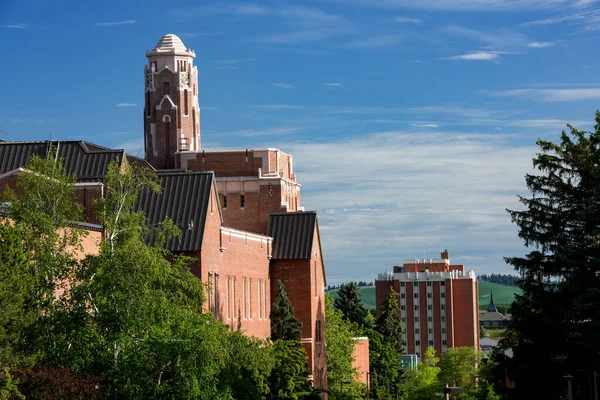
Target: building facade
point(439, 304)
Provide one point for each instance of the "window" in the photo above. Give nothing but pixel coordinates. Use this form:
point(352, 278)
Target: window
point(430, 330)
point(429, 307)
point(416, 284)
point(402, 295)
point(443, 319)
point(443, 330)
point(429, 284)
point(431, 342)
point(403, 319)
point(444, 343)
point(153, 66)
point(186, 104)
point(318, 331)
point(416, 295)
point(165, 87)
point(417, 331)
point(224, 201)
point(416, 319)
point(443, 306)
point(443, 294)
point(402, 284)
point(285, 274)
point(242, 200)
point(429, 319)
point(429, 295)
point(443, 283)
point(403, 307)
point(416, 307)
point(417, 343)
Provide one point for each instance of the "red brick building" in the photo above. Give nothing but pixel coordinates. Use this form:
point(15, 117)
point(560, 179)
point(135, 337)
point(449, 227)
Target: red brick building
point(439, 303)
point(239, 211)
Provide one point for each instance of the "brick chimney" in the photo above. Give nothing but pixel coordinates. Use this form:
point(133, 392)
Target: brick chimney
point(445, 255)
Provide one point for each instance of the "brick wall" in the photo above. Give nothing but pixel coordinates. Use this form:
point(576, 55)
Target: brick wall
point(465, 312)
point(360, 353)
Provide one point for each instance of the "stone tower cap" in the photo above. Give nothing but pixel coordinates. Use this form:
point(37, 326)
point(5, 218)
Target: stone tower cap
point(170, 45)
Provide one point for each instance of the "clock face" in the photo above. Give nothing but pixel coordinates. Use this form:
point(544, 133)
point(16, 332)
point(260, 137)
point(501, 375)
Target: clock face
point(184, 79)
point(148, 80)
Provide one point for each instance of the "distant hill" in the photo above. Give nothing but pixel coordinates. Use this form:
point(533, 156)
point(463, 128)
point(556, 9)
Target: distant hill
point(503, 294)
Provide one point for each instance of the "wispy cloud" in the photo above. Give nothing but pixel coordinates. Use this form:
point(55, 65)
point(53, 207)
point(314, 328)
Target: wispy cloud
point(376, 42)
point(276, 131)
point(117, 23)
point(225, 67)
point(283, 85)
point(124, 133)
point(426, 125)
point(475, 56)
point(552, 95)
point(583, 21)
point(135, 147)
point(277, 106)
point(301, 36)
point(408, 20)
point(209, 108)
point(234, 62)
point(463, 5)
point(495, 39)
point(196, 34)
point(16, 26)
point(126, 105)
point(540, 45)
point(333, 84)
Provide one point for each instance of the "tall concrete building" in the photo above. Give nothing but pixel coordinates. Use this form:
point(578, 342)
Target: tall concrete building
point(439, 303)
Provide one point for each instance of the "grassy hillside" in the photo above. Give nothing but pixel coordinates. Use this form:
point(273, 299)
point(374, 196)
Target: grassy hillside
point(502, 294)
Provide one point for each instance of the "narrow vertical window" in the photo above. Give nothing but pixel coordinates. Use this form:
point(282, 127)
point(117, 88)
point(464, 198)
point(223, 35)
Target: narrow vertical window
point(165, 87)
point(233, 298)
point(244, 297)
point(315, 277)
point(242, 200)
point(259, 299)
point(318, 331)
point(224, 201)
point(186, 102)
point(227, 292)
point(250, 298)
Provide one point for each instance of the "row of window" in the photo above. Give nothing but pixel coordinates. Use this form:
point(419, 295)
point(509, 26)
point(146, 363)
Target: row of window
point(429, 319)
point(242, 201)
point(416, 284)
point(430, 330)
point(418, 343)
point(429, 307)
point(429, 295)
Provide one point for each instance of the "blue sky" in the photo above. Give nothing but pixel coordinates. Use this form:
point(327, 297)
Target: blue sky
point(412, 123)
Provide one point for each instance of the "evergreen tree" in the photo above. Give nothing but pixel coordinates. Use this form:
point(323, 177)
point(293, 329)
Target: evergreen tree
point(284, 324)
point(351, 305)
point(389, 322)
point(556, 322)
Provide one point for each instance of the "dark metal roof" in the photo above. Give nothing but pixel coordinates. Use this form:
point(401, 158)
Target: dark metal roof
point(138, 162)
point(185, 199)
point(292, 234)
point(87, 161)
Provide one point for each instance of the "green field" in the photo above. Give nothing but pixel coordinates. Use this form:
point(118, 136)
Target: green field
point(502, 294)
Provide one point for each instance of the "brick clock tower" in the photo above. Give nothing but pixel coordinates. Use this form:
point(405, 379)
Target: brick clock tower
point(171, 111)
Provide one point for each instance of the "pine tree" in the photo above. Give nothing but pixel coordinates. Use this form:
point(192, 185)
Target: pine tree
point(284, 324)
point(351, 305)
point(556, 322)
point(389, 323)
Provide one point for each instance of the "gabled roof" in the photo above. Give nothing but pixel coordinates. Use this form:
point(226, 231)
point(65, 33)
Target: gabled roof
point(292, 234)
point(87, 161)
point(185, 199)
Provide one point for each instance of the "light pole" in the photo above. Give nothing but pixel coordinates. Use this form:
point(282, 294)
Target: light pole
point(569, 379)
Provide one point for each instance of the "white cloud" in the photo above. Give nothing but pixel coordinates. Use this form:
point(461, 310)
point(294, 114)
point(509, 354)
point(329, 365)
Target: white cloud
point(476, 56)
point(412, 190)
point(496, 39)
point(277, 106)
point(333, 84)
point(301, 36)
point(225, 67)
point(16, 26)
point(552, 95)
point(540, 45)
point(208, 108)
point(408, 20)
point(426, 125)
point(134, 147)
point(117, 23)
point(376, 42)
point(283, 85)
point(234, 62)
point(463, 5)
point(276, 131)
point(126, 105)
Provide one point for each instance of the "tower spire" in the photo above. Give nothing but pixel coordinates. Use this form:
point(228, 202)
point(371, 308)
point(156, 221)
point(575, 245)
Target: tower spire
point(492, 306)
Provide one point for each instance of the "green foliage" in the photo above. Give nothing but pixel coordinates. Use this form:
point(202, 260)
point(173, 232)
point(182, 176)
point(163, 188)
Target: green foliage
point(458, 367)
point(389, 323)
point(385, 366)
point(289, 377)
point(351, 305)
point(8, 386)
point(284, 324)
point(423, 383)
point(559, 276)
point(340, 346)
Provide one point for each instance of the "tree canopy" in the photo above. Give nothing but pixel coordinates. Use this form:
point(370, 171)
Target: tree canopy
point(284, 324)
point(351, 305)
